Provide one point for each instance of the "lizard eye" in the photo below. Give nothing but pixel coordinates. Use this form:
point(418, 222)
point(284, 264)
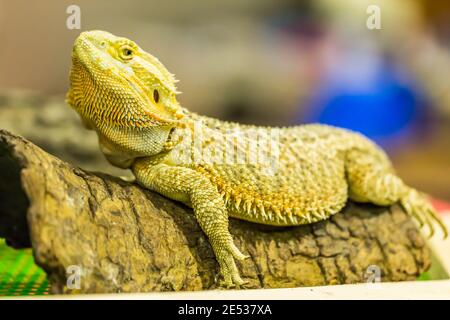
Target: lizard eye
point(126, 53)
point(156, 95)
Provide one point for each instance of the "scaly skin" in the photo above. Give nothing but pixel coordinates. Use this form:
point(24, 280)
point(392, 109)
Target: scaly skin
point(129, 98)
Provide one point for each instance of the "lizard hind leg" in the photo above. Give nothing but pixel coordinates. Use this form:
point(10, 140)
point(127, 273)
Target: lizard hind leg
point(372, 180)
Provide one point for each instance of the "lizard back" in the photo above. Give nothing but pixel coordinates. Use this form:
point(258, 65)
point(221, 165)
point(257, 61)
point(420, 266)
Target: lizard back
point(304, 183)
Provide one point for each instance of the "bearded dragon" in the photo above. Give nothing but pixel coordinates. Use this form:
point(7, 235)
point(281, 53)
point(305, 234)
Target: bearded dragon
point(218, 168)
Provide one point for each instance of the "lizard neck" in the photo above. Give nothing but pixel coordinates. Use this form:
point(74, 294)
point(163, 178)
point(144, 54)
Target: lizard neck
point(122, 145)
point(200, 141)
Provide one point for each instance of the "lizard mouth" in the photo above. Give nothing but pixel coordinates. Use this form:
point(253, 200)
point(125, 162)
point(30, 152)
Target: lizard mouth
point(82, 47)
point(90, 52)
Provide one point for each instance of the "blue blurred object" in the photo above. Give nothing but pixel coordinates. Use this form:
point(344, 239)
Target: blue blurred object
point(370, 96)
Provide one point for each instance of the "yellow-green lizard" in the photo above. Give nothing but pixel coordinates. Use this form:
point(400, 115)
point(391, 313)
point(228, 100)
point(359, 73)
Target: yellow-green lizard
point(275, 176)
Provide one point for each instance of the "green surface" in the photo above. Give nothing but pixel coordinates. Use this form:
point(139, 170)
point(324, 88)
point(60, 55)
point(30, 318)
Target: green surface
point(436, 271)
point(19, 275)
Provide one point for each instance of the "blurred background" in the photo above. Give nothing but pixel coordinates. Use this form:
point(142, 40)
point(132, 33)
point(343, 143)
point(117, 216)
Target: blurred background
point(253, 61)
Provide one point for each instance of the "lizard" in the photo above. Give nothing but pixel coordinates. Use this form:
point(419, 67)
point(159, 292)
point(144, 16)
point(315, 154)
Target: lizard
point(129, 98)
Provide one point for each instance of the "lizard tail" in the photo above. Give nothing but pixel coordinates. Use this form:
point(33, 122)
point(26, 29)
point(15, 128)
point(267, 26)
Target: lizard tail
point(417, 205)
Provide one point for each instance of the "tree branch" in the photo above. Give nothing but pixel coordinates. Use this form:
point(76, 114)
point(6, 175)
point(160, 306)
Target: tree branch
point(127, 239)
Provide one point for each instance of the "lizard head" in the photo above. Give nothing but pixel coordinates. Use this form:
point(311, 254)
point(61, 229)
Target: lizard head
point(114, 82)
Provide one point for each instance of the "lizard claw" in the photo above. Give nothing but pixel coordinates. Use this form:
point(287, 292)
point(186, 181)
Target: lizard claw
point(130, 179)
point(237, 254)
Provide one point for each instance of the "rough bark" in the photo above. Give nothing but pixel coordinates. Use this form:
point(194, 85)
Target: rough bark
point(127, 239)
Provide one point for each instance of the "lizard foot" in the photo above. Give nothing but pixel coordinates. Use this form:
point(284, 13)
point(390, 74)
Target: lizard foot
point(225, 254)
point(418, 206)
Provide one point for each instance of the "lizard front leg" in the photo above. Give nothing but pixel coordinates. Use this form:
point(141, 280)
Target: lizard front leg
point(190, 187)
